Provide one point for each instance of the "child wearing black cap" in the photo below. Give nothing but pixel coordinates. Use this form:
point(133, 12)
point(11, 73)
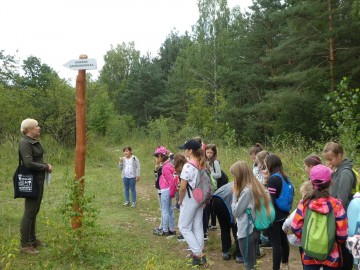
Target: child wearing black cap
point(191, 212)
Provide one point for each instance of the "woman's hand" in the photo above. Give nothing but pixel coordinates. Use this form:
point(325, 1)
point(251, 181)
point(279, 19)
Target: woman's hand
point(137, 178)
point(50, 168)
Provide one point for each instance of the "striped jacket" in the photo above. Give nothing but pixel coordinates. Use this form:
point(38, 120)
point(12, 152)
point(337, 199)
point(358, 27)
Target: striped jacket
point(321, 205)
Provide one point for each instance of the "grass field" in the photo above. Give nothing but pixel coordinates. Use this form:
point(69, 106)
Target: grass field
point(121, 237)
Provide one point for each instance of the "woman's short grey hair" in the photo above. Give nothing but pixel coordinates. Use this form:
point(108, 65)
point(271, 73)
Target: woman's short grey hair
point(27, 125)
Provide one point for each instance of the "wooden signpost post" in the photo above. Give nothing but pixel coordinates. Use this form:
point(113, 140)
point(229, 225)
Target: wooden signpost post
point(81, 64)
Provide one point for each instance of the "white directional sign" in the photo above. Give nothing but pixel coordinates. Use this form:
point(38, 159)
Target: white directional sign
point(80, 64)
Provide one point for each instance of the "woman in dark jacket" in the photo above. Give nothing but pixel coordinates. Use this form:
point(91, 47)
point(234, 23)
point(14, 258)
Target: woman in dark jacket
point(31, 154)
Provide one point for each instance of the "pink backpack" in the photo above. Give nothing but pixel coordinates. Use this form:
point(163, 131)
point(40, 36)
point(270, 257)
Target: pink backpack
point(174, 187)
point(202, 191)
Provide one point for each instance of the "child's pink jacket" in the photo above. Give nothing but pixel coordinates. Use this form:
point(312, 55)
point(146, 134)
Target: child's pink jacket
point(167, 177)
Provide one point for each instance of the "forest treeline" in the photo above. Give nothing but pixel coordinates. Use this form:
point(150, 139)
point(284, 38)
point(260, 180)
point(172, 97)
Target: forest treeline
point(282, 69)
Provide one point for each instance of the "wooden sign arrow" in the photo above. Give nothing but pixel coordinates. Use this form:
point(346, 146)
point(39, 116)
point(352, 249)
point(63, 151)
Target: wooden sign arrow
point(81, 64)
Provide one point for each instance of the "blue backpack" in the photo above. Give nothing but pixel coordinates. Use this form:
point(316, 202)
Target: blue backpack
point(286, 197)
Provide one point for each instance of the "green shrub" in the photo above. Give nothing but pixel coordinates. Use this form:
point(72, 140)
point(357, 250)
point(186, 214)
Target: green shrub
point(120, 128)
point(8, 253)
point(345, 114)
point(162, 130)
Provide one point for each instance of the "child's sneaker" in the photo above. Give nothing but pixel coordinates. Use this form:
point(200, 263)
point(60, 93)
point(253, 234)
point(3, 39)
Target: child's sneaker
point(226, 256)
point(206, 237)
point(161, 233)
point(181, 238)
point(156, 231)
point(266, 245)
point(133, 205)
point(239, 259)
point(195, 260)
point(260, 254)
point(126, 203)
point(212, 227)
point(203, 259)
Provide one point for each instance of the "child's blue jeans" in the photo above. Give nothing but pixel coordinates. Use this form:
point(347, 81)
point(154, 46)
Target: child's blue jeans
point(167, 211)
point(130, 183)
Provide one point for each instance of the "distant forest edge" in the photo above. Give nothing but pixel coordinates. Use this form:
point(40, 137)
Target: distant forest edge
point(285, 69)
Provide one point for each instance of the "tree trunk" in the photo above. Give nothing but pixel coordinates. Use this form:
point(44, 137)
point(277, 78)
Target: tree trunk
point(331, 46)
point(214, 38)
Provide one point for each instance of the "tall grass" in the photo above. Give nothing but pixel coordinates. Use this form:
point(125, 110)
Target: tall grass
point(122, 237)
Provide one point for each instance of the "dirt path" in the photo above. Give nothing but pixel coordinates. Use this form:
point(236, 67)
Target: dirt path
point(265, 263)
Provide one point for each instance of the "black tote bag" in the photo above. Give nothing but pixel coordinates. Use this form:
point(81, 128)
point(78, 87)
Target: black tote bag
point(25, 184)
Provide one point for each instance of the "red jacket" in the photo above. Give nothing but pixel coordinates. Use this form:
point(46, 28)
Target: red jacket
point(321, 206)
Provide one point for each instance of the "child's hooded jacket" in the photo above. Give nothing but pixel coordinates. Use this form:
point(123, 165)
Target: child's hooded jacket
point(323, 205)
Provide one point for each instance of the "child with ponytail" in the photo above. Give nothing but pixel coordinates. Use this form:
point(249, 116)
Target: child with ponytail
point(191, 212)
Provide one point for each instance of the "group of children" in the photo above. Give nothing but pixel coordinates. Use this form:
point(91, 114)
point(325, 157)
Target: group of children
point(325, 198)
point(260, 189)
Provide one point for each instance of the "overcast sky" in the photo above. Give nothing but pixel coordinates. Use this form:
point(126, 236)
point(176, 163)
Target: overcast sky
point(58, 31)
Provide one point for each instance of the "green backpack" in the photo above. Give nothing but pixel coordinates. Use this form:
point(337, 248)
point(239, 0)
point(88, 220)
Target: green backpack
point(356, 186)
point(318, 234)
